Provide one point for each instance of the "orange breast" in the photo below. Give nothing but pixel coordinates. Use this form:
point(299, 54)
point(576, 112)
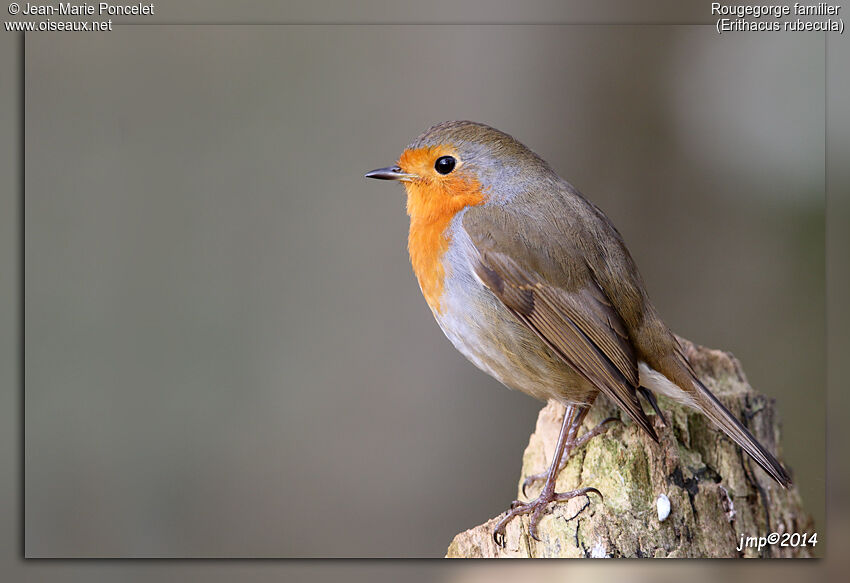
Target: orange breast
point(432, 202)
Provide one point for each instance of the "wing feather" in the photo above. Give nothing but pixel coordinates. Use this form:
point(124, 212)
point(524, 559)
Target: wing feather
point(580, 326)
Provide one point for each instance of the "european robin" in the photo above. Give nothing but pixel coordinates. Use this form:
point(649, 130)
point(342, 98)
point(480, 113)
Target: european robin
point(533, 284)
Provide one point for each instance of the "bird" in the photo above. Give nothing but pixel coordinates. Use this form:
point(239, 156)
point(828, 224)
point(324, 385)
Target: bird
point(533, 284)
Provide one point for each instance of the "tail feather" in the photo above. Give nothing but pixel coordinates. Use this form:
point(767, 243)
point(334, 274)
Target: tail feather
point(680, 383)
point(731, 426)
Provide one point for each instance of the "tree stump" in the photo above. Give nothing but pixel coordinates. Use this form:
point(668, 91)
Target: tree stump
point(716, 493)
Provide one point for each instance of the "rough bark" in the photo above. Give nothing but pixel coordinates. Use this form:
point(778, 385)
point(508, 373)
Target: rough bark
point(717, 494)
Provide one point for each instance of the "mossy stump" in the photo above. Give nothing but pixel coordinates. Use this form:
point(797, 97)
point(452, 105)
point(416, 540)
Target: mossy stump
point(716, 493)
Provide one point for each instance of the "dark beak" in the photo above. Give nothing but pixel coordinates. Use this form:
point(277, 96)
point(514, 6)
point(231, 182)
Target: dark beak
point(389, 173)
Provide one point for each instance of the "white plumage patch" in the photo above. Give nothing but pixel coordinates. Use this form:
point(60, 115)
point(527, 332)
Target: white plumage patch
point(655, 381)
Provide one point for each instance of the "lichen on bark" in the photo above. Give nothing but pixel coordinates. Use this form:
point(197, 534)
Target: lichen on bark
point(716, 493)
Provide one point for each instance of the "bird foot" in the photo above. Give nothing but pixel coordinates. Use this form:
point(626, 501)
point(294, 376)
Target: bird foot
point(601, 428)
point(535, 508)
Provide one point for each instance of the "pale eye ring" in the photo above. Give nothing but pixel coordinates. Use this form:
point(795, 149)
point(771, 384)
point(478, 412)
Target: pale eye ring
point(445, 164)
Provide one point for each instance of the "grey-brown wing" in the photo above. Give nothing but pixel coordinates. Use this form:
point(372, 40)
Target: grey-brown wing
point(580, 325)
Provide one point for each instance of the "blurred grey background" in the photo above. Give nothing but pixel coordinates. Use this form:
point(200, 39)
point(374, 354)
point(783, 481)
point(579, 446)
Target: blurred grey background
point(226, 351)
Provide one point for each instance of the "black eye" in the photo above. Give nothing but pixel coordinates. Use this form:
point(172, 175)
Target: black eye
point(444, 164)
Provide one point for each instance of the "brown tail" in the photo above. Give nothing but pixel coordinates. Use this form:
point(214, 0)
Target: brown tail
point(684, 386)
point(720, 415)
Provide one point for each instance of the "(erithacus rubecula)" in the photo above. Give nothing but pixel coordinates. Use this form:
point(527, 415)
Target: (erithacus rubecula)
point(533, 284)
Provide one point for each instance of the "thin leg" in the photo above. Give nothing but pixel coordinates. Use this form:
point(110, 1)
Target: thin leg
point(570, 448)
point(573, 417)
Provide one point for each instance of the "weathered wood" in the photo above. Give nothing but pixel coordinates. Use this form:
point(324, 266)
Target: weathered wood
point(716, 493)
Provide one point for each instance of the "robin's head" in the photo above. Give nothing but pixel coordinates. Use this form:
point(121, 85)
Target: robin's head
point(458, 163)
point(452, 166)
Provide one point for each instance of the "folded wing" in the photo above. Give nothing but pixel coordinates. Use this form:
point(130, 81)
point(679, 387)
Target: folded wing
point(579, 324)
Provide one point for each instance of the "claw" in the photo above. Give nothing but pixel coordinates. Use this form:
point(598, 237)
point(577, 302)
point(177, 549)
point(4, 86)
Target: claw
point(536, 508)
point(573, 418)
point(595, 491)
point(528, 481)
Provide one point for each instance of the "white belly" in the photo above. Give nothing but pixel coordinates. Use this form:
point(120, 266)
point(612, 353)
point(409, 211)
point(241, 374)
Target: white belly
point(493, 339)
